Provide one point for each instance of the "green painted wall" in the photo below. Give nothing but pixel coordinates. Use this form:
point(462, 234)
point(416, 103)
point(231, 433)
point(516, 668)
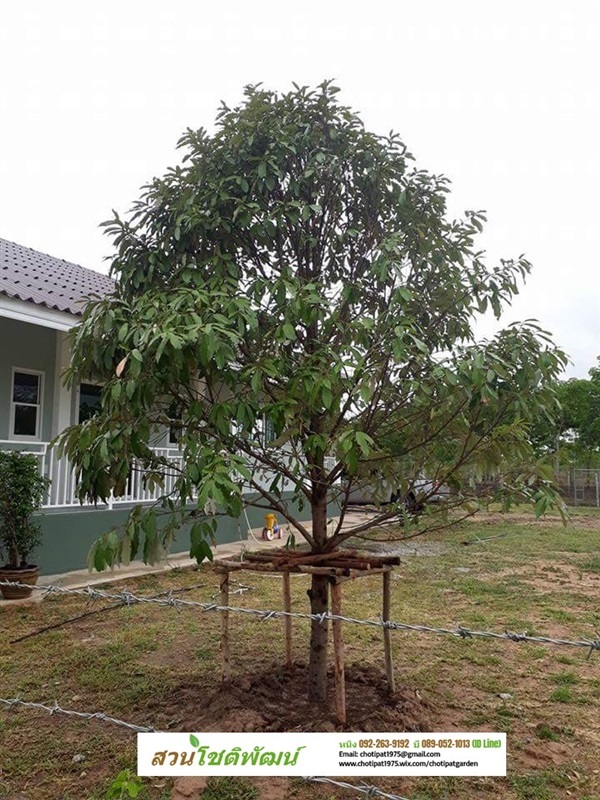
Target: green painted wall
point(68, 535)
point(31, 347)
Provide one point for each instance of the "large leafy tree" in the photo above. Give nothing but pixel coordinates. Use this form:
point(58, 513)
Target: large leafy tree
point(573, 432)
point(299, 269)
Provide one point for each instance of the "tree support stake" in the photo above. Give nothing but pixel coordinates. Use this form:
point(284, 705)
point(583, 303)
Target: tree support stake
point(387, 634)
point(338, 653)
point(225, 660)
point(287, 621)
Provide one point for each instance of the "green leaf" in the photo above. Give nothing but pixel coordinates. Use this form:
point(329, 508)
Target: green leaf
point(115, 391)
point(289, 331)
point(99, 560)
point(125, 551)
point(91, 558)
point(365, 442)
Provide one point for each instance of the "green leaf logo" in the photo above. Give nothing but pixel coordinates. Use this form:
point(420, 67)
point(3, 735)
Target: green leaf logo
point(194, 741)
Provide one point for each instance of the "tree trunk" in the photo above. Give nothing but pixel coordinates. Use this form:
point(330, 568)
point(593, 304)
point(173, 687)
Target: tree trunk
point(319, 604)
point(317, 667)
point(14, 559)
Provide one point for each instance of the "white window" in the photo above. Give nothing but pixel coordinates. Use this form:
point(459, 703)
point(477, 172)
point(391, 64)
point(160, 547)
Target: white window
point(174, 415)
point(26, 404)
point(265, 430)
point(90, 400)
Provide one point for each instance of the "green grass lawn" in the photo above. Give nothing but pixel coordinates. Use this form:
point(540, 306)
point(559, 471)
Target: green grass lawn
point(161, 667)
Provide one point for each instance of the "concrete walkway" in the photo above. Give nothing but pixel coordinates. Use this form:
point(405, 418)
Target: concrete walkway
point(82, 577)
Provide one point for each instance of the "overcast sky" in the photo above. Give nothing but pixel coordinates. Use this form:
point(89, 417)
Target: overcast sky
point(502, 97)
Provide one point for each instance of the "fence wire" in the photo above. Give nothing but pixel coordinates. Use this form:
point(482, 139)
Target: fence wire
point(129, 599)
point(362, 788)
point(56, 709)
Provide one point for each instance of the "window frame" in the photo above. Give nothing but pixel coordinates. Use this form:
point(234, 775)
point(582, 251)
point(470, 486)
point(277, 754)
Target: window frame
point(99, 386)
point(39, 406)
point(174, 424)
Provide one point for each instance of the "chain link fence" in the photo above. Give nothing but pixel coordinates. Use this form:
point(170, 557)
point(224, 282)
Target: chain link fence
point(580, 487)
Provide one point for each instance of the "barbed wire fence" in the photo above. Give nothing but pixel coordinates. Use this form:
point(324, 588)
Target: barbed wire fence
point(13, 702)
point(128, 599)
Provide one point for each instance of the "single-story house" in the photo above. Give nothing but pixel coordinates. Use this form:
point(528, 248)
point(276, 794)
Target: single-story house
point(41, 298)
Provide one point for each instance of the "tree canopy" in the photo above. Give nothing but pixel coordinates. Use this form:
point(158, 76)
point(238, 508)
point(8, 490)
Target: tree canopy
point(297, 269)
point(573, 432)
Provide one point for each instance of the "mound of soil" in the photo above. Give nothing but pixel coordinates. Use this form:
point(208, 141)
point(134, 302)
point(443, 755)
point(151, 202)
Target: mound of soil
point(277, 701)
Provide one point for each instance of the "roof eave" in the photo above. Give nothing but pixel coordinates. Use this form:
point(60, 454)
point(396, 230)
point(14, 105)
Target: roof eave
point(24, 311)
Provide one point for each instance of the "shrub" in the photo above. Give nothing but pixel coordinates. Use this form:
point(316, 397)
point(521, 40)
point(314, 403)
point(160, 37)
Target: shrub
point(22, 491)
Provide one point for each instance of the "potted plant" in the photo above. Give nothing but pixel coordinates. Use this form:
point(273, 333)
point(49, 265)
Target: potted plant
point(22, 491)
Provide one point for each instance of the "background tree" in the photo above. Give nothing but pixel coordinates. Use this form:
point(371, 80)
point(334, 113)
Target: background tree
point(572, 434)
point(299, 269)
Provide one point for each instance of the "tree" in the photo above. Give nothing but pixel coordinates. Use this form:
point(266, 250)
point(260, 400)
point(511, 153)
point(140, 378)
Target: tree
point(299, 269)
point(574, 431)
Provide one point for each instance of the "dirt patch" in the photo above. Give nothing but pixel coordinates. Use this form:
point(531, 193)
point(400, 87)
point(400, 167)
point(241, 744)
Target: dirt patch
point(547, 577)
point(188, 788)
point(193, 788)
point(414, 547)
point(277, 701)
point(538, 755)
point(495, 518)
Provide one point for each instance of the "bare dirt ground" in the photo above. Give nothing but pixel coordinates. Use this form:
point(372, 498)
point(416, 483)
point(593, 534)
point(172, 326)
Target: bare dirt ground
point(277, 701)
point(548, 576)
point(589, 522)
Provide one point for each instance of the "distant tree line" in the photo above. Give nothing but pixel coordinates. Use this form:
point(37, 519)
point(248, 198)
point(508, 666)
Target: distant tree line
point(572, 436)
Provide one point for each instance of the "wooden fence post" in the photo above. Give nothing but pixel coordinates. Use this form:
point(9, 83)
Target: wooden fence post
point(338, 653)
point(287, 621)
point(387, 634)
point(225, 663)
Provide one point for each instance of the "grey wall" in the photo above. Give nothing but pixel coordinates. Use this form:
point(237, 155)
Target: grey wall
point(31, 347)
point(68, 535)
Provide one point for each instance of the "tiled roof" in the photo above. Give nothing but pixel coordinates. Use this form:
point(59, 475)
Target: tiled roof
point(47, 281)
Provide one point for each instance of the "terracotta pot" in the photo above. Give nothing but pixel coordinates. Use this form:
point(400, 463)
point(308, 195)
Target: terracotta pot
point(27, 575)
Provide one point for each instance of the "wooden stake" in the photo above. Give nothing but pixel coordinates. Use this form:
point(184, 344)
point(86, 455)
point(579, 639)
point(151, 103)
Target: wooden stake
point(329, 571)
point(287, 606)
point(235, 565)
point(387, 634)
point(338, 653)
point(225, 664)
point(291, 558)
point(353, 574)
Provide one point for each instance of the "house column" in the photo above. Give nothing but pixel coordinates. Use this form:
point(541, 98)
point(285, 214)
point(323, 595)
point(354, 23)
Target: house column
point(62, 405)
